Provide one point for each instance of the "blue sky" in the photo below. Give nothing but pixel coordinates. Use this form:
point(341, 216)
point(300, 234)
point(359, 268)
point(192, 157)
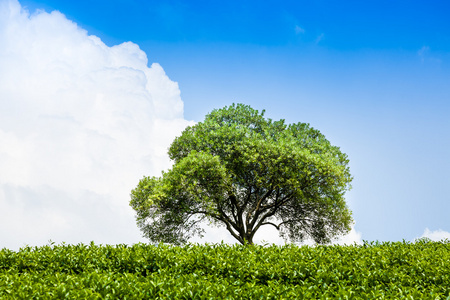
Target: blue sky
point(373, 76)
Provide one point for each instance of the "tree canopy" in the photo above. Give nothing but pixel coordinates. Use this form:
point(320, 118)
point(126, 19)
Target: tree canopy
point(242, 171)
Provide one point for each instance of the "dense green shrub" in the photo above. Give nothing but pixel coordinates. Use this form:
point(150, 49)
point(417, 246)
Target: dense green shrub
point(418, 270)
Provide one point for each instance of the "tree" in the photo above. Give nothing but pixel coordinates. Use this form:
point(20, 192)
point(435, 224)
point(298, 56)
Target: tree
point(242, 171)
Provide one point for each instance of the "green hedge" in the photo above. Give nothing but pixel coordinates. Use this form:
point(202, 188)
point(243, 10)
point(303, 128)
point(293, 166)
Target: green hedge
point(418, 270)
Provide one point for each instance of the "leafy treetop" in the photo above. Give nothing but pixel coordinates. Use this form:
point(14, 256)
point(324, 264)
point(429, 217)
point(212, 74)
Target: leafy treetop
point(240, 170)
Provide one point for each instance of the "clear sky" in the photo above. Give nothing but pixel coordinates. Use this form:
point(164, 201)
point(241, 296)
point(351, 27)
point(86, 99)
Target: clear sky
point(373, 76)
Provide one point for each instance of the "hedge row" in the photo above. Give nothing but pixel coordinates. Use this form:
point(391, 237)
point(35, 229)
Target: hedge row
point(418, 270)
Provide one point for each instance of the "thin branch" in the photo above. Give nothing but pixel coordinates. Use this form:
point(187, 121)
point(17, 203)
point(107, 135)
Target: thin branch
point(257, 212)
point(234, 234)
point(263, 197)
point(272, 209)
point(247, 200)
point(270, 213)
point(275, 203)
point(270, 223)
point(234, 206)
point(282, 223)
point(227, 220)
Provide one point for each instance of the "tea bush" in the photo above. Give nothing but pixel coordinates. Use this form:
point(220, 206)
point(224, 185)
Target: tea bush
point(398, 270)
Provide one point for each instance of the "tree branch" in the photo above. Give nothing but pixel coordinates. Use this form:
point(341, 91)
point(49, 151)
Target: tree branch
point(256, 211)
point(224, 218)
point(247, 200)
point(270, 213)
point(282, 223)
point(234, 206)
point(275, 203)
point(233, 234)
point(270, 223)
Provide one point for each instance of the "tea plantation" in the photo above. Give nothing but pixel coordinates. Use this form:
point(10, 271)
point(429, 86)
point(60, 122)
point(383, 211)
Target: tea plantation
point(400, 270)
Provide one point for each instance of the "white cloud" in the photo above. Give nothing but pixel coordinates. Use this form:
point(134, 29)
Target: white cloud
point(425, 54)
point(80, 124)
point(436, 235)
point(422, 51)
point(349, 239)
point(269, 235)
point(319, 38)
point(299, 30)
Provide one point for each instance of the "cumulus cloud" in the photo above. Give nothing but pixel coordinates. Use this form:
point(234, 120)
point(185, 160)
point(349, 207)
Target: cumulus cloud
point(353, 237)
point(80, 124)
point(268, 234)
point(349, 239)
point(436, 235)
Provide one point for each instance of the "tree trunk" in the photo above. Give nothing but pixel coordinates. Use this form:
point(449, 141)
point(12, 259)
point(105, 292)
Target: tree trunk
point(248, 239)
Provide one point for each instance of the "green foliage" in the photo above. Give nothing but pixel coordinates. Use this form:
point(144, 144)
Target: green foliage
point(418, 270)
point(242, 171)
